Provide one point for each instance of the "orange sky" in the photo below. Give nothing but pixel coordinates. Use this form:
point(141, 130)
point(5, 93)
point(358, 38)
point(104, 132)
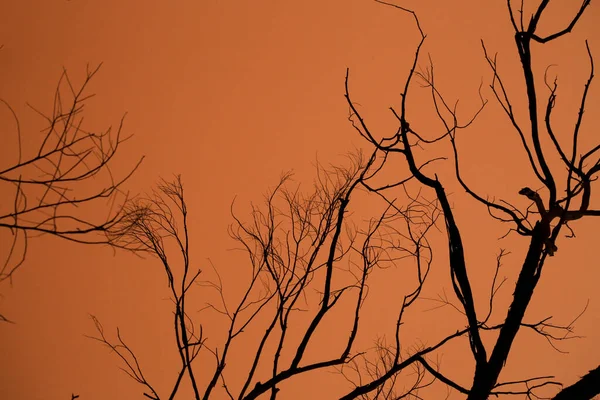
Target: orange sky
point(231, 94)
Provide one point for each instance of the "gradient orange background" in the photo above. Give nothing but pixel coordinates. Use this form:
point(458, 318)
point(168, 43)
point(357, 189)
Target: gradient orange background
point(230, 94)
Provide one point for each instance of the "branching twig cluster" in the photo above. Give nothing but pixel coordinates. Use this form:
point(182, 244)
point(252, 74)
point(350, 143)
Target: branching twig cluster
point(297, 245)
point(59, 188)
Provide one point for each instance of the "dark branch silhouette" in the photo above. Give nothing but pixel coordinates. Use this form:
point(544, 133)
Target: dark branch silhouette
point(297, 245)
point(66, 186)
point(540, 228)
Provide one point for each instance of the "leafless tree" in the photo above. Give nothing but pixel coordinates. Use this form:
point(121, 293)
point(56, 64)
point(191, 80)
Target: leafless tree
point(52, 189)
point(298, 244)
point(551, 214)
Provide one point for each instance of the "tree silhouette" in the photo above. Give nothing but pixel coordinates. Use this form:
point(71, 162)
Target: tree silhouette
point(51, 191)
point(295, 244)
point(541, 226)
point(308, 258)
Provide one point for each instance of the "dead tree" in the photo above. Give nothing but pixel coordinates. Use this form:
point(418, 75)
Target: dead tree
point(53, 189)
point(559, 202)
point(304, 258)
